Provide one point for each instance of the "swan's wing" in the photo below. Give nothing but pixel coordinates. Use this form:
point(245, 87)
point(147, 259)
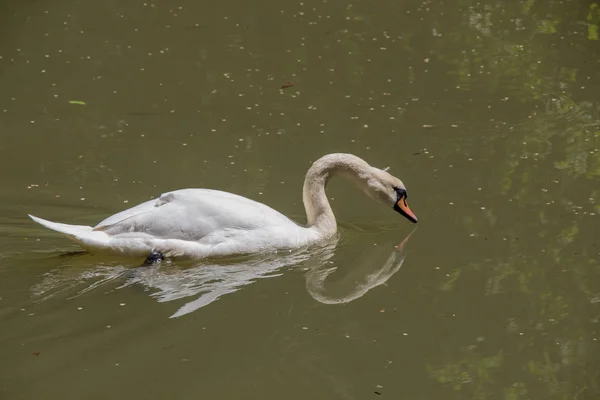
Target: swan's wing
point(191, 214)
point(132, 212)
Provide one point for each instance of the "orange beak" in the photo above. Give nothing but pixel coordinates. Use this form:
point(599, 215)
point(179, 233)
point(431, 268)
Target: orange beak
point(402, 207)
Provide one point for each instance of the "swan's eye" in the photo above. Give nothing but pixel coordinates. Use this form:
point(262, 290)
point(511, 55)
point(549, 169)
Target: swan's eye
point(400, 193)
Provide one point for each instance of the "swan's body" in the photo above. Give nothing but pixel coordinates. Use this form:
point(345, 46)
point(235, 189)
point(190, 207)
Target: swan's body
point(200, 223)
point(194, 222)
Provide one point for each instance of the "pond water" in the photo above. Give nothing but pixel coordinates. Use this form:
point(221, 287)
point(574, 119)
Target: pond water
point(489, 111)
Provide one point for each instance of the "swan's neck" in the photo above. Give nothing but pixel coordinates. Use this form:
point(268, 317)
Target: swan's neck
point(318, 211)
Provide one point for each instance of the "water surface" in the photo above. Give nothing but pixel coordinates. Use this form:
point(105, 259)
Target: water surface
point(488, 111)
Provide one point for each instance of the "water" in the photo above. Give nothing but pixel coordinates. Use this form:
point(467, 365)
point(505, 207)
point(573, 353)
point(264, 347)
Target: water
point(488, 111)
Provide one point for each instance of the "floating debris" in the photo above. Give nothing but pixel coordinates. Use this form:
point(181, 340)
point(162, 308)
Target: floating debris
point(78, 102)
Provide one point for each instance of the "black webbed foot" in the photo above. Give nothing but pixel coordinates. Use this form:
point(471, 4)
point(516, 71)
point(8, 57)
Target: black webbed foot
point(74, 253)
point(153, 258)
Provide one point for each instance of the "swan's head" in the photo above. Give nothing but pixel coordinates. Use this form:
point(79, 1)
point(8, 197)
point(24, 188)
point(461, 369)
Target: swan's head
point(389, 190)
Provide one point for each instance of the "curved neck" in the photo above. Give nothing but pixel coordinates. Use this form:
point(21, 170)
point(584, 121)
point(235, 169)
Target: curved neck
point(318, 211)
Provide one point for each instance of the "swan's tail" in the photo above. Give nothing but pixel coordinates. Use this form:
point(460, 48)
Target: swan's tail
point(98, 241)
point(74, 232)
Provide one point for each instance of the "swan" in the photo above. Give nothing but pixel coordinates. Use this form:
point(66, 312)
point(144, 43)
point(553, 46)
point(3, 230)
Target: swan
point(207, 223)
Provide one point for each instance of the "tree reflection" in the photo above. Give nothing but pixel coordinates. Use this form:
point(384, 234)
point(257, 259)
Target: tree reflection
point(530, 58)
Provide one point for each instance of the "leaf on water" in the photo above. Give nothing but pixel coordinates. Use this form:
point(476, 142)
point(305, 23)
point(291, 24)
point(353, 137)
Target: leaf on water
point(594, 12)
point(593, 18)
point(81, 103)
point(528, 5)
point(593, 32)
point(547, 26)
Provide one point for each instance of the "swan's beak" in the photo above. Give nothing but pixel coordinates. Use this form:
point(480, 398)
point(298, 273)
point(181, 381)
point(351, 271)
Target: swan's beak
point(402, 207)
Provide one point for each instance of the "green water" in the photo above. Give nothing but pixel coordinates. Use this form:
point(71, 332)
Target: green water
point(488, 111)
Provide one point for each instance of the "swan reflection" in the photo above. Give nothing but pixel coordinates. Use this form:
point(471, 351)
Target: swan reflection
point(207, 282)
point(369, 272)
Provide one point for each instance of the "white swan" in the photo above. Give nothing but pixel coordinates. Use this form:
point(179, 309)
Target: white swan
point(202, 223)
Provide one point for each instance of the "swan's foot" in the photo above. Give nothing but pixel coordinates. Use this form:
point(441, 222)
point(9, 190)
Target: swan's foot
point(74, 253)
point(154, 258)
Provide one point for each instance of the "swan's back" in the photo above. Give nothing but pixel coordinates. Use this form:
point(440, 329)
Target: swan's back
point(191, 214)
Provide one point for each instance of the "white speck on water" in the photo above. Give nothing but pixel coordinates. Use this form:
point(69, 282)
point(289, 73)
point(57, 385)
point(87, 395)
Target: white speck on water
point(304, 327)
point(125, 201)
point(82, 199)
point(80, 308)
point(123, 304)
point(405, 334)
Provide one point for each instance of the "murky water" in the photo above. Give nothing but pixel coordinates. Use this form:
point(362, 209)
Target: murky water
point(488, 111)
